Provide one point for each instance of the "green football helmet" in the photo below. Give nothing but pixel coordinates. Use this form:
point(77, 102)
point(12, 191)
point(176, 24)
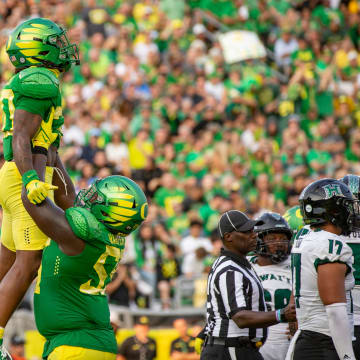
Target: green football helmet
point(117, 202)
point(294, 218)
point(41, 42)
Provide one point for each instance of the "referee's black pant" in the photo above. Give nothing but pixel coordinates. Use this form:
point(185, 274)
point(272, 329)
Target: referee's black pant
point(221, 352)
point(312, 345)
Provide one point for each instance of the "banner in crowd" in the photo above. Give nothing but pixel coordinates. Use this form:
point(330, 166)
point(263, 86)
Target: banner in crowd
point(241, 45)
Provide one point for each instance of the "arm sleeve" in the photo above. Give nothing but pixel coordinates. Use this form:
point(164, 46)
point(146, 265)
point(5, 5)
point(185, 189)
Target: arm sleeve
point(340, 330)
point(231, 288)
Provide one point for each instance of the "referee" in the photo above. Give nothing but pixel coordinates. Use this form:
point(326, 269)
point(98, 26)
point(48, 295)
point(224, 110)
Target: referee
point(237, 317)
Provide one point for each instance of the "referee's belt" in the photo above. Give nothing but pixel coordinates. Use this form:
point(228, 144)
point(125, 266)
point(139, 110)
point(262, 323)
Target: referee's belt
point(240, 341)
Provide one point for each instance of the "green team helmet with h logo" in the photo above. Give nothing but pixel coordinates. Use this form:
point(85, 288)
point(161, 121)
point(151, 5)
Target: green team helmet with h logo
point(117, 202)
point(41, 42)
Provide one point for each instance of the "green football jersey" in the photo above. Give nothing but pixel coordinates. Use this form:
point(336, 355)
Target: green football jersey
point(70, 304)
point(35, 90)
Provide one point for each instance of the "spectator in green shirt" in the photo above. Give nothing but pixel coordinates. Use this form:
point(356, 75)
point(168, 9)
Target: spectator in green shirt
point(168, 194)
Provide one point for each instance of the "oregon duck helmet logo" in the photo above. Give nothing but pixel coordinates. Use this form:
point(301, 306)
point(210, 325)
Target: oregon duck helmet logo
point(41, 42)
point(117, 202)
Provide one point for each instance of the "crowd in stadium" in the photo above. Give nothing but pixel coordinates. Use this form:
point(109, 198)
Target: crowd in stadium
point(154, 100)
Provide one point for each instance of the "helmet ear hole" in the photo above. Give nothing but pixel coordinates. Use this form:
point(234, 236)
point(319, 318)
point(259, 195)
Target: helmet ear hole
point(43, 52)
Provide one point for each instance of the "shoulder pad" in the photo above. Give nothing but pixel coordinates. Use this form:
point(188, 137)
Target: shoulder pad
point(39, 83)
point(84, 224)
point(331, 249)
point(86, 227)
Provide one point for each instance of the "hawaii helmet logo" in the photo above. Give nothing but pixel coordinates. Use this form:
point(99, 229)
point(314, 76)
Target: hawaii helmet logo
point(332, 190)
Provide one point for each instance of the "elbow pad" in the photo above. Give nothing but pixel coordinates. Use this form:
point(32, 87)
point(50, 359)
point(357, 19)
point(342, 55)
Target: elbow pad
point(340, 330)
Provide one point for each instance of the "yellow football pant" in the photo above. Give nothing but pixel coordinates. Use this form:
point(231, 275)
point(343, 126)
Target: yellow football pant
point(78, 353)
point(18, 230)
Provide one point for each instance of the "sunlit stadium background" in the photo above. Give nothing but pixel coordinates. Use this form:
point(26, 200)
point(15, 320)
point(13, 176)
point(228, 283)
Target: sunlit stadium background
point(209, 105)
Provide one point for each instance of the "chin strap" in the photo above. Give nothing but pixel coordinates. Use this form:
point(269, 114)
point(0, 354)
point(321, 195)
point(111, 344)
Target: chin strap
point(278, 257)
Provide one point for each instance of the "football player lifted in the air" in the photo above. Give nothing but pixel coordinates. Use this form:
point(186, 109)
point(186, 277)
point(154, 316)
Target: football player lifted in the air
point(87, 241)
point(31, 119)
point(322, 273)
point(353, 240)
point(272, 264)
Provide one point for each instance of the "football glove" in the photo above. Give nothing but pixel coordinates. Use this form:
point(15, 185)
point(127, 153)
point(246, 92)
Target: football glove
point(37, 191)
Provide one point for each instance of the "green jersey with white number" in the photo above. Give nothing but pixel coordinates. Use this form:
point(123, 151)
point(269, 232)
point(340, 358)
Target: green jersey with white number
point(311, 249)
point(35, 90)
point(70, 304)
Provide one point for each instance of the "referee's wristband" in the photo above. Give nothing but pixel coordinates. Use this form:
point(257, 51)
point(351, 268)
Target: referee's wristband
point(280, 316)
point(29, 176)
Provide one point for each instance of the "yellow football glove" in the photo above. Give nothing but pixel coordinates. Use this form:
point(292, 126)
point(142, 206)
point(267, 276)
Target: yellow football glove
point(198, 345)
point(37, 191)
point(45, 136)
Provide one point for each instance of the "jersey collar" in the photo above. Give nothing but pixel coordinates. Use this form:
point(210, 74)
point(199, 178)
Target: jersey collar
point(242, 261)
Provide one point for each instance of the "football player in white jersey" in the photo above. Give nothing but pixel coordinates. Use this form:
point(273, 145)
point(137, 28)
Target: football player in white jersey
point(353, 240)
point(322, 273)
point(272, 265)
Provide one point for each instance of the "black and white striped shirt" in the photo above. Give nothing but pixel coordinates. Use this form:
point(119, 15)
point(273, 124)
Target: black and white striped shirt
point(233, 286)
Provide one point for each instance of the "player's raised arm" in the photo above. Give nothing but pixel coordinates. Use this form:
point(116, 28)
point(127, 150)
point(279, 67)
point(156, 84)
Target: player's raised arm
point(51, 219)
point(333, 296)
point(32, 136)
point(26, 125)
